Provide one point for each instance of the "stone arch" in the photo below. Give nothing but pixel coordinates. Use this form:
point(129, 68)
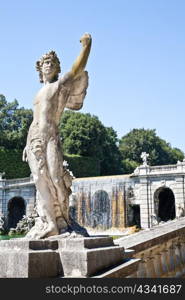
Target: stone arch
point(101, 209)
point(133, 215)
point(164, 204)
point(16, 210)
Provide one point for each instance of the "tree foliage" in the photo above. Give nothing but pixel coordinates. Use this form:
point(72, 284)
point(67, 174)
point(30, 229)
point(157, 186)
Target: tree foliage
point(11, 163)
point(111, 163)
point(83, 166)
point(85, 135)
point(145, 140)
point(14, 124)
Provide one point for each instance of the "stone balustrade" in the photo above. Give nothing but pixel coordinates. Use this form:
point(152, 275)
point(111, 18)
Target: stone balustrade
point(164, 169)
point(163, 260)
point(161, 251)
point(18, 182)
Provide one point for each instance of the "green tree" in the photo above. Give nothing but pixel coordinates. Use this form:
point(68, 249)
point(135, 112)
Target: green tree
point(111, 163)
point(85, 135)
point(14, 124)
point(11, 163)
point(145, 140)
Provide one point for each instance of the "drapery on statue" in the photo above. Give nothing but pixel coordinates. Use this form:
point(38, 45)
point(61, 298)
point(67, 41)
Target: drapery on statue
point(43, 149)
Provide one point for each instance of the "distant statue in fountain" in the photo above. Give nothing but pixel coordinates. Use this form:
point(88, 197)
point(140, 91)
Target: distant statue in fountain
point(1, 175)
point(43, 149)
point(144, 157)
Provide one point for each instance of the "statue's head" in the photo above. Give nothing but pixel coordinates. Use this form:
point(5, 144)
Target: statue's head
point(48, 64)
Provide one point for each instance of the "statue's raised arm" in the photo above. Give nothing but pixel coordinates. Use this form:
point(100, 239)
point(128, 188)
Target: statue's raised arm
point(81, 61)
point(77, 79)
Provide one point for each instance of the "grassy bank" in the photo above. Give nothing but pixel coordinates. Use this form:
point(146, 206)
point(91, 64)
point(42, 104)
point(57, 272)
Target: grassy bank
point(8, 237)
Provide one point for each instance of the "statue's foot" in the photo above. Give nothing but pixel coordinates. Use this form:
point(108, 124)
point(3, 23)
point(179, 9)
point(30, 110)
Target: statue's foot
point(72, 230)
point(42, 230)
point(67, 234)
point(35, 234)
point(50, 232)
point(74, 234)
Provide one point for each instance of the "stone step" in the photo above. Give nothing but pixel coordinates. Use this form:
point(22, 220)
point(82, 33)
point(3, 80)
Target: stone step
point(86, 262)
point(58, 242)
point(71, 257)
point(123, 270)
point(25, 244)
point(85, 242)
point(29, 264)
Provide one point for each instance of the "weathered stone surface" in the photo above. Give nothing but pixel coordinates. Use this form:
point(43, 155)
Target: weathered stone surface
point(85, 263)
point(26, 244)
point(90, 255)
point(126, 269)
point(44, 264)
point(72, 257)
point(81, 243)
point(148, 238)
point(28, 264)
point(161, 250)
point(21, 258)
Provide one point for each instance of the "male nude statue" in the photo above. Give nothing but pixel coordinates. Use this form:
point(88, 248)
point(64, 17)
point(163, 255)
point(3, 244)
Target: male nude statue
point(43, 149)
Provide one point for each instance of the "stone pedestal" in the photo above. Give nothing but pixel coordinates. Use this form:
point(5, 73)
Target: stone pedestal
point(58, 257)
point(28, 259)
point(86, 256)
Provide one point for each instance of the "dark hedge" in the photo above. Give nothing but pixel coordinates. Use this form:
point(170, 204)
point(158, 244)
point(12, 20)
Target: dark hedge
point(11, 163)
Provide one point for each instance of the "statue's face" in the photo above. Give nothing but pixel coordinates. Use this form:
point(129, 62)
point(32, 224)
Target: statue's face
point(49, 68)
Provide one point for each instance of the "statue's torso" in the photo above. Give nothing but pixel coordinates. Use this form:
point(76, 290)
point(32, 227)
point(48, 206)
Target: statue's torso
point(49, 104)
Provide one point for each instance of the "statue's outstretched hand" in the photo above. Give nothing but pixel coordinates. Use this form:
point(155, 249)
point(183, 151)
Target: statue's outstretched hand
point(86, 39)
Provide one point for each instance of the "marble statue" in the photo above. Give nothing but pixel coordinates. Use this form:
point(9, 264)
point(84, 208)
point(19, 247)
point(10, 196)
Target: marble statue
point(43, 148)
point(1, 175)
point(144, 157)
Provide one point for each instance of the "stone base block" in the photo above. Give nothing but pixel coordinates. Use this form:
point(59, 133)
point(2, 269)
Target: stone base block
point(83, 257)
point(32, 264)
point(64, 257)
point(28, 259)
point(87, 262)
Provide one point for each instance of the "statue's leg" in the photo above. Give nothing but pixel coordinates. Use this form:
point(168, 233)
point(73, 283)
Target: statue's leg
point(55, 167)
point(47, 222)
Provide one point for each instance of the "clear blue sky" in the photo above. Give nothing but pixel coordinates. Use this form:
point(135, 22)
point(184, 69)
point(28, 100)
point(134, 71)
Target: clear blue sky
point(136, 67)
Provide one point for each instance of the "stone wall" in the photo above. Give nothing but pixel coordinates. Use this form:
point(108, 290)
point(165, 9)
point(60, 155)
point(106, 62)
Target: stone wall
point(112, 201)
point(23, 188)
point(154, 178)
